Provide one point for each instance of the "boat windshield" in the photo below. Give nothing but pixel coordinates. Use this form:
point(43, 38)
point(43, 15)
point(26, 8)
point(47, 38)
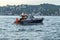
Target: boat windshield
point(30, 17)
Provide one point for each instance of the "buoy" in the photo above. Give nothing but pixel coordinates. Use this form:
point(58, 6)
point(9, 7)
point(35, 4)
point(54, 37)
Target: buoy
point(17, 21)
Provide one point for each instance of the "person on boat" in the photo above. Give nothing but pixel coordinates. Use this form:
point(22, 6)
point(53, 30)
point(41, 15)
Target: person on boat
point(23, 17)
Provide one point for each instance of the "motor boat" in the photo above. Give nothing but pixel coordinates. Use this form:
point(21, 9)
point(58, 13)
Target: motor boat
point(32, 21)
point(29, 20)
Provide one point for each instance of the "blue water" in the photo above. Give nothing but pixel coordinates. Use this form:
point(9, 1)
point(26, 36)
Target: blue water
point(50, 30)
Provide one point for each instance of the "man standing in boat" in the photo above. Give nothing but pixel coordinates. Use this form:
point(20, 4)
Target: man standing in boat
point(23, 17)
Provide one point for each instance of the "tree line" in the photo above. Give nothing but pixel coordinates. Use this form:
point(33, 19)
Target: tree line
point(42, 9)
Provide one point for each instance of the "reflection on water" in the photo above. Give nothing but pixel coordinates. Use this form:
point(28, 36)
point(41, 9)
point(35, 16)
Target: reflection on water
point(48, 31)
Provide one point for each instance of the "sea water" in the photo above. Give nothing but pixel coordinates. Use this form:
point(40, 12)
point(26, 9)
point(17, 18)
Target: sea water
point(50, 30)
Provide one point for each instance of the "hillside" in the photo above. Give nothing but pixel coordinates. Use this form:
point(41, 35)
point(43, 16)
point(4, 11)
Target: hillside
point(42, 9)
